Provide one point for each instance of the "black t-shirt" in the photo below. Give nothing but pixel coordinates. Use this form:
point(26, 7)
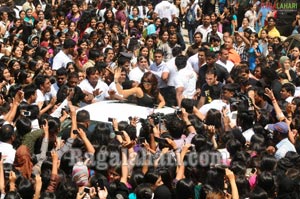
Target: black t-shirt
point(211, 92)
point(222, 74)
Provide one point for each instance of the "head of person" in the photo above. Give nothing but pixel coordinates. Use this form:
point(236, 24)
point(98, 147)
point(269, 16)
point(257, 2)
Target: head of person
point(280, 130)
point(73, 79)
point(271, 21)
point(206, 20)
point(43, 83)
point(198, 37)
point(287, 90)
point(92, 75)
point(143, 63)
point(224, 54)
point(83, 117)
point(61, 76)
point(69, 46)
point(149, 83)
point(7, 133)
point(30, 92)
point(180, 61)
point(211, 77)
point(210, 58)
point(158, 56)
point(201, 54)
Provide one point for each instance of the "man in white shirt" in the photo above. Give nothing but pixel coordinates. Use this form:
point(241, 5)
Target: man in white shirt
point(185, 81)
point(205, 28)
point(165, 9)
point(64, 56)
point(93, 85)
point(280, 131)
point(198, 60)
point(137, 73)
point(43, 85)
point(61, 79)
point(7, 136)
point(223, 60)
point(169, 74)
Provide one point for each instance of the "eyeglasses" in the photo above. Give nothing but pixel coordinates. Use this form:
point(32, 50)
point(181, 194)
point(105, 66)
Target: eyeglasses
point(147, 83)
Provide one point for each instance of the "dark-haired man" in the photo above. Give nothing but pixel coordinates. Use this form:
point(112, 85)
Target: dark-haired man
point(63, 56)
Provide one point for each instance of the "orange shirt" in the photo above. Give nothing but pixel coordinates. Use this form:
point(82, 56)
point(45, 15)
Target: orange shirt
point(234, 56)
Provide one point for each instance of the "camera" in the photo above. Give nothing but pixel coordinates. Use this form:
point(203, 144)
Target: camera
point(178, 111)
point(26, 113)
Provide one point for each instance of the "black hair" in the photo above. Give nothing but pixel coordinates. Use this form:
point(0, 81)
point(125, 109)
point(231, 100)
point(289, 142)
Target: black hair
point(180, 61)
point(83, 116)
point(6, 132)
point(185, 189)
point(40, 80)
point(29, 90)
point(94, 54)
point(61, 72)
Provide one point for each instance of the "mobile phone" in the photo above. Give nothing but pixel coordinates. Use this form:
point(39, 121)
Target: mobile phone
point(26, 113)
point(221, 166)
point(160, 140)
point(110, 119)
point(0, 155)
point(118, 132)
point(86, 190)
point(250, 171)
point(75, 132)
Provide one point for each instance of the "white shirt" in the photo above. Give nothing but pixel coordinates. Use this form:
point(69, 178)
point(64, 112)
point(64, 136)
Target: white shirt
point(157, 70)
point(248, 134)
point(216, 104)
point(228, 65)
point(60, 60)
point(172, 70)
point(136, 74)
point(41, 97)
point(113, 87)
point(187, 79)
point(165, 10)
point(204, 31)
point(193, 62)
point(54, 90)
point(8, 152)
point(102, 86)
point(283, 147)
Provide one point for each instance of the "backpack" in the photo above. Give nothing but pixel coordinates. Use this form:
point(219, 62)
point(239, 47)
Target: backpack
point(190, 17)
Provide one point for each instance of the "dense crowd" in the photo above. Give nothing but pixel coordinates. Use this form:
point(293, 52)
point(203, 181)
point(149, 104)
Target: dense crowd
point(233, 82)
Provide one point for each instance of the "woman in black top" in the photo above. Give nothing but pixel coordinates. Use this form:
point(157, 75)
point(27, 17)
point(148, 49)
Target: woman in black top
point(147, 93)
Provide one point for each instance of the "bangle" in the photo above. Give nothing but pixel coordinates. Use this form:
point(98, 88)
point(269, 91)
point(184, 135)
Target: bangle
point(188, 125)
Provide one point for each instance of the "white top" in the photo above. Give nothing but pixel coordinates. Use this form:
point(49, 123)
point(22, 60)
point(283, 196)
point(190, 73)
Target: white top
point(204, 31)
point(283, 147)
point(216, 104)
point(157, 70)
point(103, 88)
point(8, 152)
point(165, 10)
point(60, 60)
point(41, 97)
point(172, 70)
point(248, 134)
point(136, 74)
point(113, 87)
point(54, 90)
point(252, 16)
point(228, 65)
point(193, 61)
point(187, 79)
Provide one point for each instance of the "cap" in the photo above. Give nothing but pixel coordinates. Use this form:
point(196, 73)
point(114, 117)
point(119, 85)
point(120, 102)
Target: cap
point(280, 127)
